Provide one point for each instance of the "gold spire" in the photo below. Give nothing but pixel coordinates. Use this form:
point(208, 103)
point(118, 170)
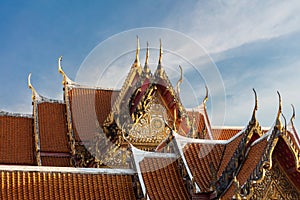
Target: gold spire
point(253, 119)
point(147, 54)
point(293, 115)
point(160, 52)
point(137, 60)
point(179, 81)
point(206, 95)
point(146, 67)
point(278, 122)
point(33, 96)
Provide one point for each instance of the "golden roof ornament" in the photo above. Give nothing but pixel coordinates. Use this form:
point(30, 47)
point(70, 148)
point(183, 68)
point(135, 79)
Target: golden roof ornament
point(34, 93)
point(206, 95)
point(146, 67)
point(179, 82)
point(137, 52)
point(160, 53)
point(293, 115)
point(253, 119)
point(278, 122)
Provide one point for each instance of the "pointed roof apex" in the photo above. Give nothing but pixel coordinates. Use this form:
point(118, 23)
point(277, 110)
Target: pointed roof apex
point(61, 71)
point(146, 67)
point(179, 81)
point(206, 95)
point(147, 54)
point(278, 122)
point(160, 52)
point(253, 119)
point(293, 115)
point(34, 93)
point(137, 52)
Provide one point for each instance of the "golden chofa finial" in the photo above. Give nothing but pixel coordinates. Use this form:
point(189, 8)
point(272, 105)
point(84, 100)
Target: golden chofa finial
point(61, 71)
point(146, 67)
point(34, 94)
point(293, 115)
point(278, 122)
point(147, 55)
point(179, 81)
point(206, 95)
point(253, 119)
point(160, 52)
point(137, 52)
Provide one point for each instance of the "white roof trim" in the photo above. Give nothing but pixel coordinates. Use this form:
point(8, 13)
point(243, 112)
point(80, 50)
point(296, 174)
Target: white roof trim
point(65, 169)
point(11, 114)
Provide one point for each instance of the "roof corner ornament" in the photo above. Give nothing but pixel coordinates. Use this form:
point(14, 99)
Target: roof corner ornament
point(137, 52)
point(34, 93)
point(206, 95)
point(278, 122)
point(146, 67)
point(61, 71)
point(293, 115)
point(179, 82)
point(160, 53)
point(253, 119)
point(284, 122)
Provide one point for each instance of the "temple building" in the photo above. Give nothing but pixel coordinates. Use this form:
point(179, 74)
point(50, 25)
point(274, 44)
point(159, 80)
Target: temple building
point(140, 142)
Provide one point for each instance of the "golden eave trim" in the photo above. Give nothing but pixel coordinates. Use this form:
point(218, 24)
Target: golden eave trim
point(179, 82)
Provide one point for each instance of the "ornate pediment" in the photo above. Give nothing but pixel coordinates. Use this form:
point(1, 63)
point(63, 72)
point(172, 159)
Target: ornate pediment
point(275, 185)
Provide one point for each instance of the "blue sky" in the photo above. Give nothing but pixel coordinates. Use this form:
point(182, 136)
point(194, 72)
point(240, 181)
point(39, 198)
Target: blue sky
point(253, 43)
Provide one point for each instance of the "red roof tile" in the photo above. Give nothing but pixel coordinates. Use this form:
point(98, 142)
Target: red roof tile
point(63, 185)
point(89, 107)
point(224, 133)
point(199, 158)
point(254, 156)
point(53, 127)
point(228, 153)
point(162, 179)
point(16, 141)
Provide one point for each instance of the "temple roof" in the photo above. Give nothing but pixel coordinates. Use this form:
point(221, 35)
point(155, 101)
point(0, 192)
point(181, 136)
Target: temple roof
point(16, 143)
point(65, 183)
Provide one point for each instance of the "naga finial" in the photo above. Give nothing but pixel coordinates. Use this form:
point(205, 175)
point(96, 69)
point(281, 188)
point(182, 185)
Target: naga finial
point(255, 106)
point(284, 121)
point(278, 122)
point(146, 67)
point(179, 81)
point(160, 52)
point(206, 95)
point(60, 70)
point(137, 60)
point(147, 55)
point(293, 115)
point(33, 96)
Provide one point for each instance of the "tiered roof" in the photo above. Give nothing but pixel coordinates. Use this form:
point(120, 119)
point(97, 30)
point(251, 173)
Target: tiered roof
point(190, 159)
point(16, 143)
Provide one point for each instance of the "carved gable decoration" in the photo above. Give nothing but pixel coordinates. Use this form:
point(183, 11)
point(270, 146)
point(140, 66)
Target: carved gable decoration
point(275, 185)
point(151, 127)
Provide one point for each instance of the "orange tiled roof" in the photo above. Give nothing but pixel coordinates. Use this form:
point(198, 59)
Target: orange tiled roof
point(253, 157)
point(90, 107)
point(162, 178)
point(53, 127)
point(64, 185)
point(199, 157)
point(16, 142)
point(228, 153)
point(224, 133)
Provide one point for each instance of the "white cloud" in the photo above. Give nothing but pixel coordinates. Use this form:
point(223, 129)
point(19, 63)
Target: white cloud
point(221, 25)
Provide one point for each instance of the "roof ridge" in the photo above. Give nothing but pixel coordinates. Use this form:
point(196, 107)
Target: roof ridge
point(15, 114)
